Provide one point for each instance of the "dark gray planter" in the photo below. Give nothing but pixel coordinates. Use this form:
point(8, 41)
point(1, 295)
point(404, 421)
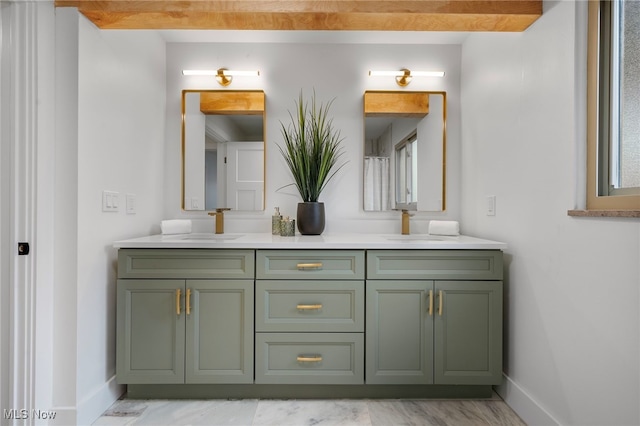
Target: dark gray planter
point(310, 218)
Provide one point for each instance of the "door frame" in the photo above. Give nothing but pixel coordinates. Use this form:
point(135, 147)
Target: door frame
point(27, 130)
point(5, 190)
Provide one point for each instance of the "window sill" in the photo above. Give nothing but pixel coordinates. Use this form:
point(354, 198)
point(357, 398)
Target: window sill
point(604, 213)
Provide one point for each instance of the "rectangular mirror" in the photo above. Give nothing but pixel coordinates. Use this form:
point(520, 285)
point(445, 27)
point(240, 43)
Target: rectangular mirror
point(404, 152)
point(223, 162)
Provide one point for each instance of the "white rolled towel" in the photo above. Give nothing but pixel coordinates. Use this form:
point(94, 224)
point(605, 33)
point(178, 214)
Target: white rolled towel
point(444, 227)
point(176, 226)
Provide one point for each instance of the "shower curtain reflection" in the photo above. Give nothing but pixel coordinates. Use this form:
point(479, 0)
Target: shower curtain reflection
point(376, 183)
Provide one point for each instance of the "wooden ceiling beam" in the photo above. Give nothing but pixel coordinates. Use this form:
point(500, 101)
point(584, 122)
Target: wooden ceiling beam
point(364, 15)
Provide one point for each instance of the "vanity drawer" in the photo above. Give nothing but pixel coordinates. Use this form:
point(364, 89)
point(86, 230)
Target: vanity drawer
point(434, 264)
point(314, 358)
point(310, 306)
point(310, 264)
point(185, 263)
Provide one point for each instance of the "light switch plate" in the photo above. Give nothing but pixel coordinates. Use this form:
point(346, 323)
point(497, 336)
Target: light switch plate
point(110, 201)
point(491, 205)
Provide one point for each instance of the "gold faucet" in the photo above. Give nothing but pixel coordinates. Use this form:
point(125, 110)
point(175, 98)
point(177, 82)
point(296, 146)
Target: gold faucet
point(219, 214)
point(405, 222)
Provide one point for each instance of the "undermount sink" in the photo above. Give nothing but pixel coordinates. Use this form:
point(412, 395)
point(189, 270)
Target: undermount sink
point(213, 237)
point(415, 237)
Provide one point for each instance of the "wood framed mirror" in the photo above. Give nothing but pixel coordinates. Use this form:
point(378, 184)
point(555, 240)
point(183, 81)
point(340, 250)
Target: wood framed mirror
point(405, 150)
point(223, 161)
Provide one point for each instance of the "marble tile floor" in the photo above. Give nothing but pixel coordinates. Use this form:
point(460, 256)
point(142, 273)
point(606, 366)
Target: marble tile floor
point(358, 412)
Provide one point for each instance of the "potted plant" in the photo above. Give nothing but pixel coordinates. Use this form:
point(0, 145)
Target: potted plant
point(311, 150)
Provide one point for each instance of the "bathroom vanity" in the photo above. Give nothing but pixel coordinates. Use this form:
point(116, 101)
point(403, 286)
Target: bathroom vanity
point(256, 315)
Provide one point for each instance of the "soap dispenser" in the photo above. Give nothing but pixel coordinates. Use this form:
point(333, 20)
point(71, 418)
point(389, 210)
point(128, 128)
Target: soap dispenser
point(288, 227)
point(275, 222)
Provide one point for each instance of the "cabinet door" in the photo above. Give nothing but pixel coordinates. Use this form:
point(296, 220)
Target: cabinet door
point(468, 332)
point(150, 330)
point(399, 330)
point(219, 331)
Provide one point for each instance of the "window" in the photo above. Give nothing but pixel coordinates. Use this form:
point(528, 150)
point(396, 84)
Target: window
point(613, 105)
point(407, 173)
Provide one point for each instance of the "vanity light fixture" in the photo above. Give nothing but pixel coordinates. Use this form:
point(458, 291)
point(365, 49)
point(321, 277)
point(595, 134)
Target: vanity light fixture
point(222, 75)
point(404, 76)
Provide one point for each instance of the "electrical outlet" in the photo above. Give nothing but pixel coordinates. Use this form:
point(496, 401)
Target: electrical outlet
point(195, 203)
point(131, 203)
point(491, 205)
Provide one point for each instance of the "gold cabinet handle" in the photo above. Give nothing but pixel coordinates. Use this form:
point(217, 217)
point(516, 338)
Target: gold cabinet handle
point(315, 307)
point(440, 303)
point(309, 358)
point(188, 301)
point(430, 302)
point(309, 266)
point(178, 301)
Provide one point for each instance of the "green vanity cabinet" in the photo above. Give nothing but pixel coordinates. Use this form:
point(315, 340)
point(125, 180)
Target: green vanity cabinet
point(310, 317)
point(283, 323)
point(195, 330)
point(422, 330)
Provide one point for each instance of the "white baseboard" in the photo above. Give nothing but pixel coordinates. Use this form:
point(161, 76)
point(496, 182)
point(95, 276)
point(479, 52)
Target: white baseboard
point(92, 407)
point(524, 405)
point(64, 416)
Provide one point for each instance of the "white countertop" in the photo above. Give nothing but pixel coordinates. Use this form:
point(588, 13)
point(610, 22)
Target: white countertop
point(324, 241)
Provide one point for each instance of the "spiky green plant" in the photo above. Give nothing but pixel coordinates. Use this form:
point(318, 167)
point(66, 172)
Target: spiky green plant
point(311, 148)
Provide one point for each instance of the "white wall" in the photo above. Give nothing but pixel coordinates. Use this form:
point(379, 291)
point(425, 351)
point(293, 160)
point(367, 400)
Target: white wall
point(65, 210)
point(572, 284)
point(337, 71)
point(111, 103)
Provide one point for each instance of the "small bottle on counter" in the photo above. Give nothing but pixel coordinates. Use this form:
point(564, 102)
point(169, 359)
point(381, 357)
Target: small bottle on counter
point(288, 227)
point(275, 222)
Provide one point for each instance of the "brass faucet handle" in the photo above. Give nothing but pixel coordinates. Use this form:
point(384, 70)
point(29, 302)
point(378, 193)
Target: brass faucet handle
point(220, 210)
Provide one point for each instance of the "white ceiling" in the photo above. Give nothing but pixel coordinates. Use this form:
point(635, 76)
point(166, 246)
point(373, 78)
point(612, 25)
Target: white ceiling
point(337, 37)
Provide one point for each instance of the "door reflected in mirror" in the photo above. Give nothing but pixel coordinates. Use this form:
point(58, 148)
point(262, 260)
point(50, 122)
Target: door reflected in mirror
point(405, 139)
point(223, 150)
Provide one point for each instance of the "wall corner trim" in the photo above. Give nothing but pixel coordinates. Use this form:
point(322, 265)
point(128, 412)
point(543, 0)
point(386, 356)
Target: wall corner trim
point(97, 402)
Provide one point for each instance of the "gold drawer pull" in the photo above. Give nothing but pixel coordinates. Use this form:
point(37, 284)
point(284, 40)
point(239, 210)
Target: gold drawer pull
point(188, 297)
point(309, 358)
point(430, 302)
point(177, 301)
point(309, 266)
point(440, 302)
point(315, 307)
